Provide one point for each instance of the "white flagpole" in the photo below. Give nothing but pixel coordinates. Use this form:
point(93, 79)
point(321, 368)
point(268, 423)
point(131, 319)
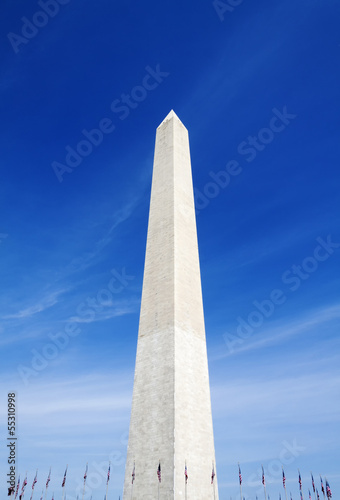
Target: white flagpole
point(107, 482)
point(85, 480)
point(240, 480)
point(313, 484)
point(47, 482)
point(159, 476)
point(214, 480)
point(33, 484)
point(264, 483)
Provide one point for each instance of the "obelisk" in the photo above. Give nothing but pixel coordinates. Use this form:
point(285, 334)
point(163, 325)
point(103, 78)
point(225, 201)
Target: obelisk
point(171, 421)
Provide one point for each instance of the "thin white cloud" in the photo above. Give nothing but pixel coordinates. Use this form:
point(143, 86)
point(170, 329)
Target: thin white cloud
point(41, 305)
point(270, 335)
point(89, 258)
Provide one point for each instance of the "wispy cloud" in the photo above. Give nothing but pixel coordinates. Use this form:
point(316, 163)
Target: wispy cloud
point(112, 310)
point(41, 305)
point(88, 259)
point(270, 335)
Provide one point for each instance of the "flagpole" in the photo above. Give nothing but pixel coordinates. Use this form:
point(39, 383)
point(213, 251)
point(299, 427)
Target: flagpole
point(284, 485)
point(240, 480)
point(24, 484)
point(264, 484)
point(64, 483)
point(34, 481)
point(323, 488)
point(313, 484)
point(107, 483)
point(159, 475)
point(85, 476)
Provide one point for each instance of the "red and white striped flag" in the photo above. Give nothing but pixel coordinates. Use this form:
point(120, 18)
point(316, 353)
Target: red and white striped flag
point(328, 490)
point(159, 473)
point(322, 487)
point(108, 474)
point(313, 482)
point(17, 490)
point(239, 474)
point(48, 478)
point(283, 478)
point(186, 474)
point(35, 480)
point(263, 478)
point(213, 474)
point(133, 473)
point(64, 479)
point(23, 488)
point(85, 475)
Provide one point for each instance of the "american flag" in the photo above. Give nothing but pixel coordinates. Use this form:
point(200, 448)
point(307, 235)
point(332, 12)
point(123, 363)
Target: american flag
point(48, 479)
point(133, 473)
point(159, 473)
point(301, 495)
point(313, 482)
point(310, 496)
point(263, 479)
point(18, 485)
point(108, 474)
point(64, 479)
point(322, 488)
point(186, 473)
point(283, 478)
point(35, 480)
point(23, 488)
point(213, 474)
point(11, 490)
point(85, 475)
point(317, 494)
point(239, 474)
point(300, 482)
point(328, 490)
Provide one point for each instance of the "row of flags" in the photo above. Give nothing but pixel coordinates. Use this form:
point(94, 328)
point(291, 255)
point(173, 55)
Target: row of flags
point(326, 492)
point(14, 492)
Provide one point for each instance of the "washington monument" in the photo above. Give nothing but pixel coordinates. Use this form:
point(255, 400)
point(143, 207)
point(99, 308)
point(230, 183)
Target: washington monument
point(171, 452)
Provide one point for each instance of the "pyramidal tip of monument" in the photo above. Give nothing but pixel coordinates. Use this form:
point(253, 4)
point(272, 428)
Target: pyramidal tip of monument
point(170, 116)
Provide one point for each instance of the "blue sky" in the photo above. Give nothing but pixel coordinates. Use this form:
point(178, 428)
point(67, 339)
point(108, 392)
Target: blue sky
point(257, 86)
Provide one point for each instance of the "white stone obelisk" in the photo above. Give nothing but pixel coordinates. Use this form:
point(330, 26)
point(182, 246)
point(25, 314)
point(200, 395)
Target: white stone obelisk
point(171, 420)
